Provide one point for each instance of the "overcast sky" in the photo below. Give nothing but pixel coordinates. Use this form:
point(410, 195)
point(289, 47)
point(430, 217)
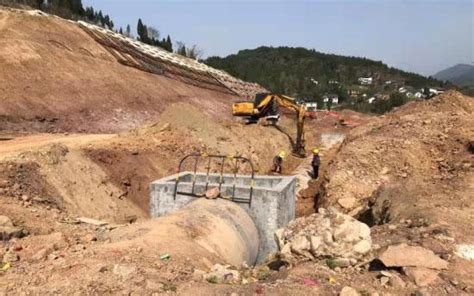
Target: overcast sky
point(422, 36)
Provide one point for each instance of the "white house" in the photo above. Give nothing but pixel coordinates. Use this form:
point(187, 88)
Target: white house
point(314, 81)
point(311, 106)
point(333, 82)
point(436, 91)
point(402, 90)
point(331, 97)
point(365, 80)
point(371, 100)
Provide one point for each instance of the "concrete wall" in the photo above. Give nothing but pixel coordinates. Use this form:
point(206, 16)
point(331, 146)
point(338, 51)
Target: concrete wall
point(273, 202)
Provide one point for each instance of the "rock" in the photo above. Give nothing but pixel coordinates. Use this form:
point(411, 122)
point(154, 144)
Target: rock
point(327, 234)
point(347, 203)
point(53, 256)
point(411, 256)
point(352, 231)
point(10, 256)
point(348, 291)
point(300, 245)
point(165, 127)
point(465, 251)
point(397, 282)
point(286, 251)
point(362, 247)
point(421, 276)
point(356, 211)
point(213, 193)
point(341, 262)
point(41, 254)
point(5, 222)
point(7, 233)
point(384, 280)
point(315, 242)
point(279, 238)
point(8, 230)
point(124, 270)
point(222, 274)
point(91, 221)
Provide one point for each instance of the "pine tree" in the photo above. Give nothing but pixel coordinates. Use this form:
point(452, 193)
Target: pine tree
point(140, 29)
point(121, 31)
point(129, 31)
point(169, 44)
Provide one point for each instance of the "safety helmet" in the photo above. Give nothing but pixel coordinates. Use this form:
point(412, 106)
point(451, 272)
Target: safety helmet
point(282, 154)
point(315, 151)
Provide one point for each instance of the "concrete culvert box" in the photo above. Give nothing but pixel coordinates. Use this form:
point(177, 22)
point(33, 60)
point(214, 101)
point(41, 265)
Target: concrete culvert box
point(272, 206)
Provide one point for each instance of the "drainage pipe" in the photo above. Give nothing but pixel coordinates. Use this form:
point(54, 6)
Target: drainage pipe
point(218, 230)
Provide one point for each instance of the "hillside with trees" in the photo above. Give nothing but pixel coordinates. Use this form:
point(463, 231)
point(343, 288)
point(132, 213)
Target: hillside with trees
point(74, 10)
point(310, 75)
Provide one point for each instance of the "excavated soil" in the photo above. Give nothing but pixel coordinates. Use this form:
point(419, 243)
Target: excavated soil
point(55, 77)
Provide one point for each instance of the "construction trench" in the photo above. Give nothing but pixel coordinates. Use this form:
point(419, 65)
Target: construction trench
point(244, 218)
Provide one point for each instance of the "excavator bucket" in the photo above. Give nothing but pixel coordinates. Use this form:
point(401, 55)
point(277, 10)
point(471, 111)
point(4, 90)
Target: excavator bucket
point(243, 109)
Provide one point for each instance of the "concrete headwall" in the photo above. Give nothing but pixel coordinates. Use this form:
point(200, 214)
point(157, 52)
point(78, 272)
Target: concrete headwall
point(272, 207)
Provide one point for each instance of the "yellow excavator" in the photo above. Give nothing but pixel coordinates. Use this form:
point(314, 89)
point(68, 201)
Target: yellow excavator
point(266, 106)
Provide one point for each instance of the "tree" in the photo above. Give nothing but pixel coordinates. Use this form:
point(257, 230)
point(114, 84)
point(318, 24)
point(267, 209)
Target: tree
point(129, 31)
point(153, 33)
point(169, 44)
point(181, 48)
point(121, 31)
point(141, 31)
point(193, 52)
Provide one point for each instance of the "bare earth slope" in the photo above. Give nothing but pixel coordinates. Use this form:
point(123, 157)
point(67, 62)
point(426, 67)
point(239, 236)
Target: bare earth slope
point(54, 76)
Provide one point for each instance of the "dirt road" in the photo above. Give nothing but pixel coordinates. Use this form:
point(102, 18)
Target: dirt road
point(21, 144)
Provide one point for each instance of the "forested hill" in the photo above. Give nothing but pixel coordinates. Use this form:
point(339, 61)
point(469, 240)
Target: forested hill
point(309, 74)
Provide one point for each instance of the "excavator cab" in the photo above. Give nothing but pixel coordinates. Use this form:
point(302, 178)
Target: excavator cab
point(266, 106)
point(263, 107)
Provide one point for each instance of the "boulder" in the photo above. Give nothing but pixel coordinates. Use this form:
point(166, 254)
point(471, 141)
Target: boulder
point(222, 274)
point(8, 230)
point(362, 247)
point(348, 291)
point(5, 222)
point(421, 276)
point(411, 256)
point(300, 245)
point(327, 234)
point(347, 203)
point(123, 270)
point(213, 193)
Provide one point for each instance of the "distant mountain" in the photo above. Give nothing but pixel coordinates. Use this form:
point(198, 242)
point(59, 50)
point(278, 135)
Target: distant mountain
point(461, 75)
point(307, 73)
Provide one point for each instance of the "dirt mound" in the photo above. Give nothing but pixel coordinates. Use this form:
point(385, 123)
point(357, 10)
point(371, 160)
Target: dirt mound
point(423, 140)
point(412, 163)
point(56, 77)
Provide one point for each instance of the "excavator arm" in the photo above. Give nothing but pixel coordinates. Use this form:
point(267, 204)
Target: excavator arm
point(264, 107)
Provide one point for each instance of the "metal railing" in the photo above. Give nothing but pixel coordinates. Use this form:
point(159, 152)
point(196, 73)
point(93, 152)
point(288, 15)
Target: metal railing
point(235, 161)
